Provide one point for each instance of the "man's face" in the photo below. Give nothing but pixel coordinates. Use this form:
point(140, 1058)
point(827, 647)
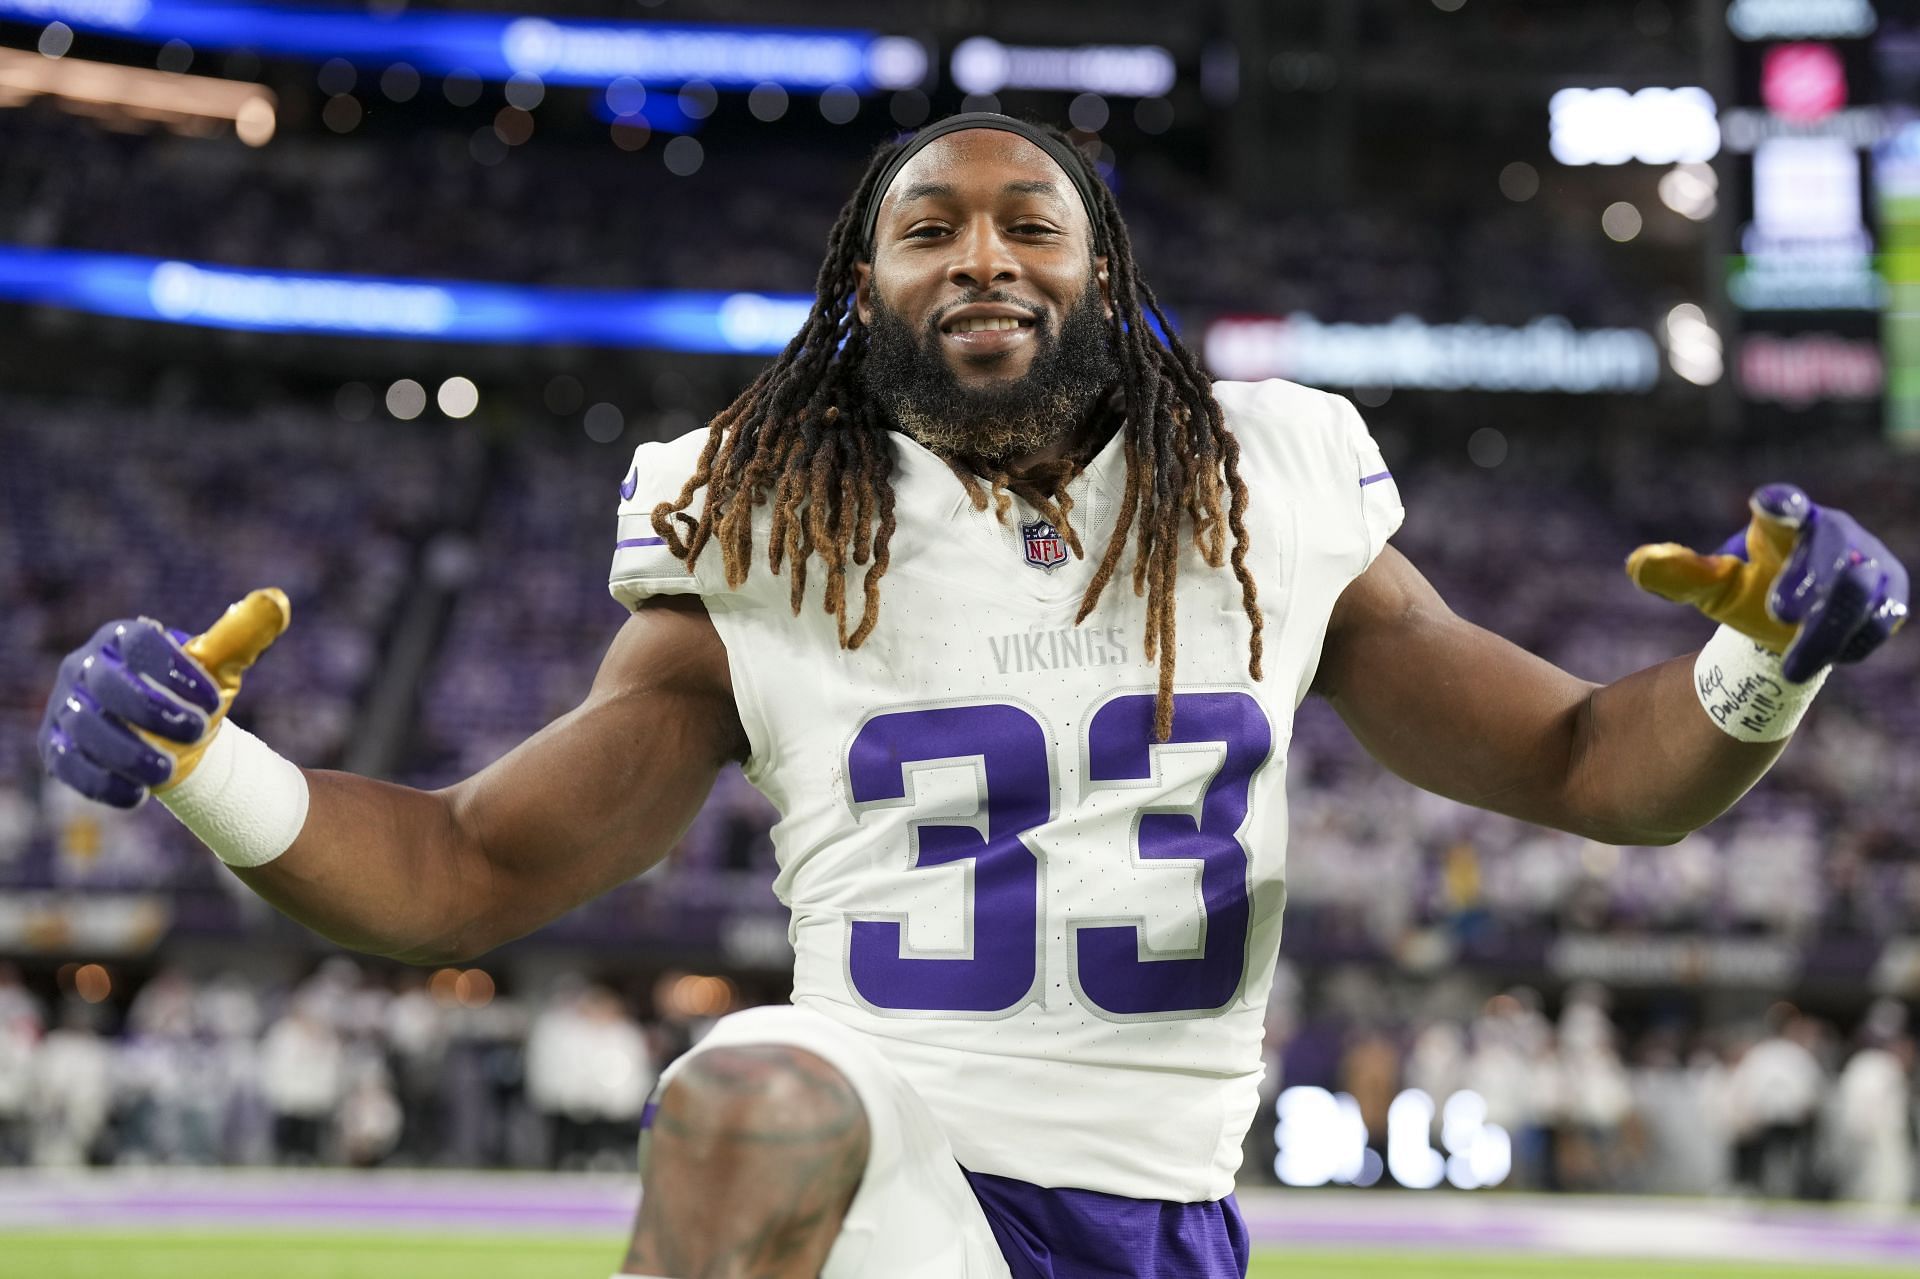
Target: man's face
point(989, 319)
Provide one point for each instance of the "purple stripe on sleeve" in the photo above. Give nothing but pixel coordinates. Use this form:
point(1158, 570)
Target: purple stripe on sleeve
point(647, 1113)
point(639, 541)
point(1375, 479)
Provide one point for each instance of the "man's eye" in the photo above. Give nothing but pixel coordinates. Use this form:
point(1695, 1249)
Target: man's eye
point(1035, 228)
point(925, 232)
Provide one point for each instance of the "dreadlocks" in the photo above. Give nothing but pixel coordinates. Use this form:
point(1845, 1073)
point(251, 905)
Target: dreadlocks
point(807, 439)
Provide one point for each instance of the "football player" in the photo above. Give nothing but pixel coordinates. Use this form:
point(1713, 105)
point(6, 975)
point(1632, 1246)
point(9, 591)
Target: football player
point(1007, 608)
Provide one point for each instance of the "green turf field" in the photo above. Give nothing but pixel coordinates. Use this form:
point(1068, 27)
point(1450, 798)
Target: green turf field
point(264, 1255)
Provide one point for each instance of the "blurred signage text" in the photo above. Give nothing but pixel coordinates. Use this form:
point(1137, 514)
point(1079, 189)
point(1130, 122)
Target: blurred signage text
point(983, 65)
point(1747, 129)
point(1664, 961)
point(92, 923)
point(1800, 19)
point(1546, 355)
point(1322, 1140)
point(1808, 368)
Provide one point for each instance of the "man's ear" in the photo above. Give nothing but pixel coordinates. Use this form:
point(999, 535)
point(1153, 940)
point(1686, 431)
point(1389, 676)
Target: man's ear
point(1100, 274)
point(863, 291)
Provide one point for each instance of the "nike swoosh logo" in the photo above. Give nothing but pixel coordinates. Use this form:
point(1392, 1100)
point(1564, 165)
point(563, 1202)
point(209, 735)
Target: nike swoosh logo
point(630, 485)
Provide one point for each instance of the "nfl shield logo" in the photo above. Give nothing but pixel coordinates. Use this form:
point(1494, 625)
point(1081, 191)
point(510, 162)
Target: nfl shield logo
point(1045, 547)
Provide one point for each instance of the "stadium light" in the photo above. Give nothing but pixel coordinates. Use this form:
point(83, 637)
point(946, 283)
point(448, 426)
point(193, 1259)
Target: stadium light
point(1691, 190)
point(220, 297)
point(1653, 126)
point(406, 399)
point(1693, 345)
point(1621, 221)
point(458, 397)
point(55, 40)
point(498, 47)
point(185, 103)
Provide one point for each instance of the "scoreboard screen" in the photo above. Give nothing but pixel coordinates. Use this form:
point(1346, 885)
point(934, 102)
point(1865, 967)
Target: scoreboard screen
point(1896, 176)
point(1806, 281)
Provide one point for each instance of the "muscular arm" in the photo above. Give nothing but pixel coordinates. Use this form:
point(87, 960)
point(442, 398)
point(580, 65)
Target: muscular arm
point(1461, 712)
point(588, 802)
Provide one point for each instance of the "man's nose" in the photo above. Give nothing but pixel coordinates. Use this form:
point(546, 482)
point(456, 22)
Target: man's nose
point(982, 258)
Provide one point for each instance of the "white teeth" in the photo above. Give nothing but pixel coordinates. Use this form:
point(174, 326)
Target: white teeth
point(985, 324)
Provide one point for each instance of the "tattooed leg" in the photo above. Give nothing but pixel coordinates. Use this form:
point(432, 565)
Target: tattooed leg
point(753, 1159)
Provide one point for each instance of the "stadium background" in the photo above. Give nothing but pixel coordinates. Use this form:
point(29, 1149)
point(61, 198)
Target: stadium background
point(372, 301)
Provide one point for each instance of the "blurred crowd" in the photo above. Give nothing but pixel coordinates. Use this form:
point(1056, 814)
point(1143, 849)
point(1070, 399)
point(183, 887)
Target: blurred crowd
point(587, 214)
point(112, 512)
point(362, 1067)
point(125, 513)
point(344, 1067)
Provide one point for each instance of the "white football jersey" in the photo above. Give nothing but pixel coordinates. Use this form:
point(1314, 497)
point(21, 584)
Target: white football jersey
point(1059, 929)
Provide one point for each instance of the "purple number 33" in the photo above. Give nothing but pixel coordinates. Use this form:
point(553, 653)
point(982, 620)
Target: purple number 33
point(1014, 790)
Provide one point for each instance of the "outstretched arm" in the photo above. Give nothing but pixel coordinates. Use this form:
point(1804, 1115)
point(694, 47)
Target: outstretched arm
point(1459, 711)
point(593, 799)
point(1648, 758)
point(585, 804)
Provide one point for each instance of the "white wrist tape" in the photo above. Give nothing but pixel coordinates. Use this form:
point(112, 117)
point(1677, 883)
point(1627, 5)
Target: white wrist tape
point(244, 802)
point(1743, 691)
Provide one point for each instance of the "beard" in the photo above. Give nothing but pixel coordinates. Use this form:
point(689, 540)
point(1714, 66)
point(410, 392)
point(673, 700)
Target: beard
point(989, 426)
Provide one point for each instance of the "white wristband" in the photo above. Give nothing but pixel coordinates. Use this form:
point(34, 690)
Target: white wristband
point(244, 802)
point(1744, 692)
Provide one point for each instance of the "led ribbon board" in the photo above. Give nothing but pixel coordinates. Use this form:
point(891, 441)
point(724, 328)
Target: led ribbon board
point(1547, 355)
point(498, 47)
point(377, 307)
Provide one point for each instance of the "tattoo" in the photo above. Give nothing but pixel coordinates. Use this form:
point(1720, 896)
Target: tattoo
point(755, 1155)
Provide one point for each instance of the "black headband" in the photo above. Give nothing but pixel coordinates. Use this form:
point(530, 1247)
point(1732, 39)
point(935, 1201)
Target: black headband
point(1060, 152)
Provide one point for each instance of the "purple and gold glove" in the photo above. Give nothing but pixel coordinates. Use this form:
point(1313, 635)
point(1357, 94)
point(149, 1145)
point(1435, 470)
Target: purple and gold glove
point(135, 707)
point(1806, 582)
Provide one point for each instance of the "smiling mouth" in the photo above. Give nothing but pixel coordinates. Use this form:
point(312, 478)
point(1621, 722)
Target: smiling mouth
point(988, 324)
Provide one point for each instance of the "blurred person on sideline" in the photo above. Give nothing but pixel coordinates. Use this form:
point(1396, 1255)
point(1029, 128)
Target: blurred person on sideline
point(302, 1078)
point(1437, 1063)
point(893, 579)
point(18, 816)
point(552, 1040)
point(1775, 1092)
point(228, 1017)
point(589, 1072)
point(1685, 1150)
point(1370, 1074)
point(1596, 1101)
point(617, 1075)
point(20, 1028)
point(72, 1090)
point(416, 1034)
point(1513, 1066)
point(369, 1119)
point(1873, 1112)
point(156, 1089)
